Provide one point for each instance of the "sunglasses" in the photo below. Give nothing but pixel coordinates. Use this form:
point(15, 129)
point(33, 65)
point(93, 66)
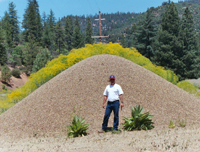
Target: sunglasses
point(112, 79)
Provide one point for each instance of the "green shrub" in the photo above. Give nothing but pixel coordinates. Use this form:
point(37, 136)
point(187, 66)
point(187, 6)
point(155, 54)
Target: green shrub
point(138, 120)
point(4, 87)
point(16, 73)
point(77, 128)
point(41, 59)
point(187, 87)
point(5, 74)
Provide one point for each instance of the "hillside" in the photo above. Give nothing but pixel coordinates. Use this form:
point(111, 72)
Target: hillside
point(118, 23)
point(48, 109)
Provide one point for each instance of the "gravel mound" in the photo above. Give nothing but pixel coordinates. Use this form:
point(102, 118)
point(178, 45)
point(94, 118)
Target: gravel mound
point(48, 110)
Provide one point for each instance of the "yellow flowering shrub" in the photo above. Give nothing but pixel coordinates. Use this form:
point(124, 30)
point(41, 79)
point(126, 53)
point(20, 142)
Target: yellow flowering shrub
point(189, 87)
point(63, 62)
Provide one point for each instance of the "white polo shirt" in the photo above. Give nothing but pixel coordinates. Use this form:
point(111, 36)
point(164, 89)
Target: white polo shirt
point(113, 92)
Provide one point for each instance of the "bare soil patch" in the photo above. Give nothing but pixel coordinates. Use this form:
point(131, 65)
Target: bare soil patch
point(15, 82)
point(178, 139)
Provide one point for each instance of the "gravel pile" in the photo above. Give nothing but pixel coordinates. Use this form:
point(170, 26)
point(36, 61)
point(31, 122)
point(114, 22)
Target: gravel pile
point(48, 110)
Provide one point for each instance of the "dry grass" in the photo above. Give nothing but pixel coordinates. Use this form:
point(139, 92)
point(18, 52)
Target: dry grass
point(47, 110)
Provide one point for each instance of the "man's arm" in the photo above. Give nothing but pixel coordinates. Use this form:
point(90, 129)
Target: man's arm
point(104, 101)
point(121, 99)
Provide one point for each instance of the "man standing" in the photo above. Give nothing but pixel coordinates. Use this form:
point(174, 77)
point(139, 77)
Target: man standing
point(112, 94)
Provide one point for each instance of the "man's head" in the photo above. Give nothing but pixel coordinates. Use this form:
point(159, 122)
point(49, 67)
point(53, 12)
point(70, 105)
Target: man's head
point(112, 79)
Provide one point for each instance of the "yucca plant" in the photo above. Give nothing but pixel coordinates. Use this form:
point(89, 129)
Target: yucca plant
point(77, 128)
point(138, 120)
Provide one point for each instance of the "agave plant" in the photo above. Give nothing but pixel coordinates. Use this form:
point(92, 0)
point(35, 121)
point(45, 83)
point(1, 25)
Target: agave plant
point(138, 120)
point(77, 128)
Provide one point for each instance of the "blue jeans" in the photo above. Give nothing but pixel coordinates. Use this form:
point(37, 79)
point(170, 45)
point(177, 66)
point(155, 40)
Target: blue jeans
point(111, 106)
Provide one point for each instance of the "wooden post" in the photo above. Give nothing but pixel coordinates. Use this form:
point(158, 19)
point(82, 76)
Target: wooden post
point(100, 26)
point(100, 37)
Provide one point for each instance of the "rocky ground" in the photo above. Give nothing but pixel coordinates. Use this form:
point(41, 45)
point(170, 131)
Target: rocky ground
point(177, 139)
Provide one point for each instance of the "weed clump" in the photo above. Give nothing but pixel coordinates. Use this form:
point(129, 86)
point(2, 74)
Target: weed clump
point(171, 124)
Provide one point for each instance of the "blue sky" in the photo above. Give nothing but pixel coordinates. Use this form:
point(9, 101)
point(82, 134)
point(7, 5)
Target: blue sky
point(83, 7)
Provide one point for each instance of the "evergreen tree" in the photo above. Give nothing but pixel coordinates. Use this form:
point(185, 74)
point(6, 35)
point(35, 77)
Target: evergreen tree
point(88, 38)
point(7, 28)
point(32, 21)
point(41, 59)
point(145, 35)
point(29, 54)
point(51, 21)
point(190, 48)
point(46, 42)
point(13, 20)
point(123, 41)
point(168, 45)
point(3, 54)
point(16, 56)
point(68, 32)
point(38, 22)
point(77, 36)
point(60, 37)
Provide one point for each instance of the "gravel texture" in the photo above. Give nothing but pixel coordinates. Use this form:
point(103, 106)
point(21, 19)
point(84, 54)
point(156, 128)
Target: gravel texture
point(171, 140)
point(47, 111)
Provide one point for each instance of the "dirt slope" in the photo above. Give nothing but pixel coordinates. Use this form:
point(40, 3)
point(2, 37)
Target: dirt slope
point(48, 109)
point(15, 82)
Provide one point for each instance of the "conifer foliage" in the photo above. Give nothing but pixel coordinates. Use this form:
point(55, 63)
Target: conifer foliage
point(176, 47)
point(32, 21)
point(168, 45)
point(190, 47)
point(88, 38)
point(77, 36)
point(68, 32)
point(3, 54)
point(145, 35)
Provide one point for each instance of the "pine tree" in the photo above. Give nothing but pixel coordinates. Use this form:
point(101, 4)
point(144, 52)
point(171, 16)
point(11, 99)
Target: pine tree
point(145, 35)
point(123, 41)
point(7, 28)
point(60, 37)
point(30, 53)
point(77, 37)
point(51, 21)
point(3, 54)
point(88, 38)
point(38, 22)
point(46, 42)
point(13, 20)
point(32, 21)
point(168, 44)
point(190, 56)
point(16, 56)
point(68, 32)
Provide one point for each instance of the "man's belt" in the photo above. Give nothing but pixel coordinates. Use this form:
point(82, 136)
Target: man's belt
point(113, 101)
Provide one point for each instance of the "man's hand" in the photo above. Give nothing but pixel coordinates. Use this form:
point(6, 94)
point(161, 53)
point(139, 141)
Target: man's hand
point(104, 102)
point(121, 105)
point(121, 99)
